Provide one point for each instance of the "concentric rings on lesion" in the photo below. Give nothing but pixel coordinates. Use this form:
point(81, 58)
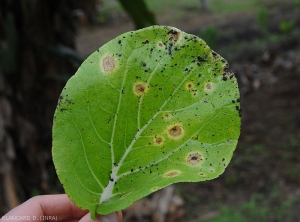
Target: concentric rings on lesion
point(175, 131)
point(140, 88)
point(158, 140)
point(193, 158)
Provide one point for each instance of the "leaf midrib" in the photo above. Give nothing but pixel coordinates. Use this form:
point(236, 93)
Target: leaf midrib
point(115, 169)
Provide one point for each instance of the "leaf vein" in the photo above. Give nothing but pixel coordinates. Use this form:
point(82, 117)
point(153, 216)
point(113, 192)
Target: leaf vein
point(84, 149)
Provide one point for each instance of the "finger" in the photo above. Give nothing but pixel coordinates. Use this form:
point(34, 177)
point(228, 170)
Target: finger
point(113, 217)
point(58, 206)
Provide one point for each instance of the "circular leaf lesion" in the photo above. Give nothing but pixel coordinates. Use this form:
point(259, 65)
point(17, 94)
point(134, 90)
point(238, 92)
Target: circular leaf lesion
point(209, 87)
point(189, 85)
point(193, 158)
point(166, 116)
point(175, 131)
point(108, 63)
point(140, 88)
point(158, 140)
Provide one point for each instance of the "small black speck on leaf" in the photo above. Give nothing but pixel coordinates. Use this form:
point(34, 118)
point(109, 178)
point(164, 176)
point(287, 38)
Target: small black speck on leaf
point(214, 53)
point(170, 49)
point(174, 32)
point(200, 59)
point(223, 60)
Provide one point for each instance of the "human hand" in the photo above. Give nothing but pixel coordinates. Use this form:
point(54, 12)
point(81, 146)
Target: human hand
point(54, 208)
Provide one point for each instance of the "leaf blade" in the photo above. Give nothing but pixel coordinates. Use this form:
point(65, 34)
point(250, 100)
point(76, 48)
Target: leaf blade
point(150, 108)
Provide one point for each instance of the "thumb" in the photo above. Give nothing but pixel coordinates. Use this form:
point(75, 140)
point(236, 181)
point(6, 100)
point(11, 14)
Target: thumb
point(113, 217)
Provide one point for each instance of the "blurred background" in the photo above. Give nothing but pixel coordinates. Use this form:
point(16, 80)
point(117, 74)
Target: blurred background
point(43, 42)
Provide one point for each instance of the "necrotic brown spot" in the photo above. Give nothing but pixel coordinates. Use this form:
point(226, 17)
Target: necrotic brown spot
point(175, 131)
point(172, 173)
point(173, 35)
point(208, 87)
point(227, 75)
point(193, 158)
point(189, 85)
point(160, 44)
point(158, 140)
point(140, 88)
point(167, 116)
point(108, 63)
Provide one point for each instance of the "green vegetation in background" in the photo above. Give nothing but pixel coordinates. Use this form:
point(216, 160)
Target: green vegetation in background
point(228, 214)
point(194, 7)
point(214, 5)
point(210, 36)
point(139, 13)
point(109, 7)
point(263, 19)
point(258, 44)
point(287, 26)
point(160, 6)
point(231, 5)
point(259, 208)
point(297, 3)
